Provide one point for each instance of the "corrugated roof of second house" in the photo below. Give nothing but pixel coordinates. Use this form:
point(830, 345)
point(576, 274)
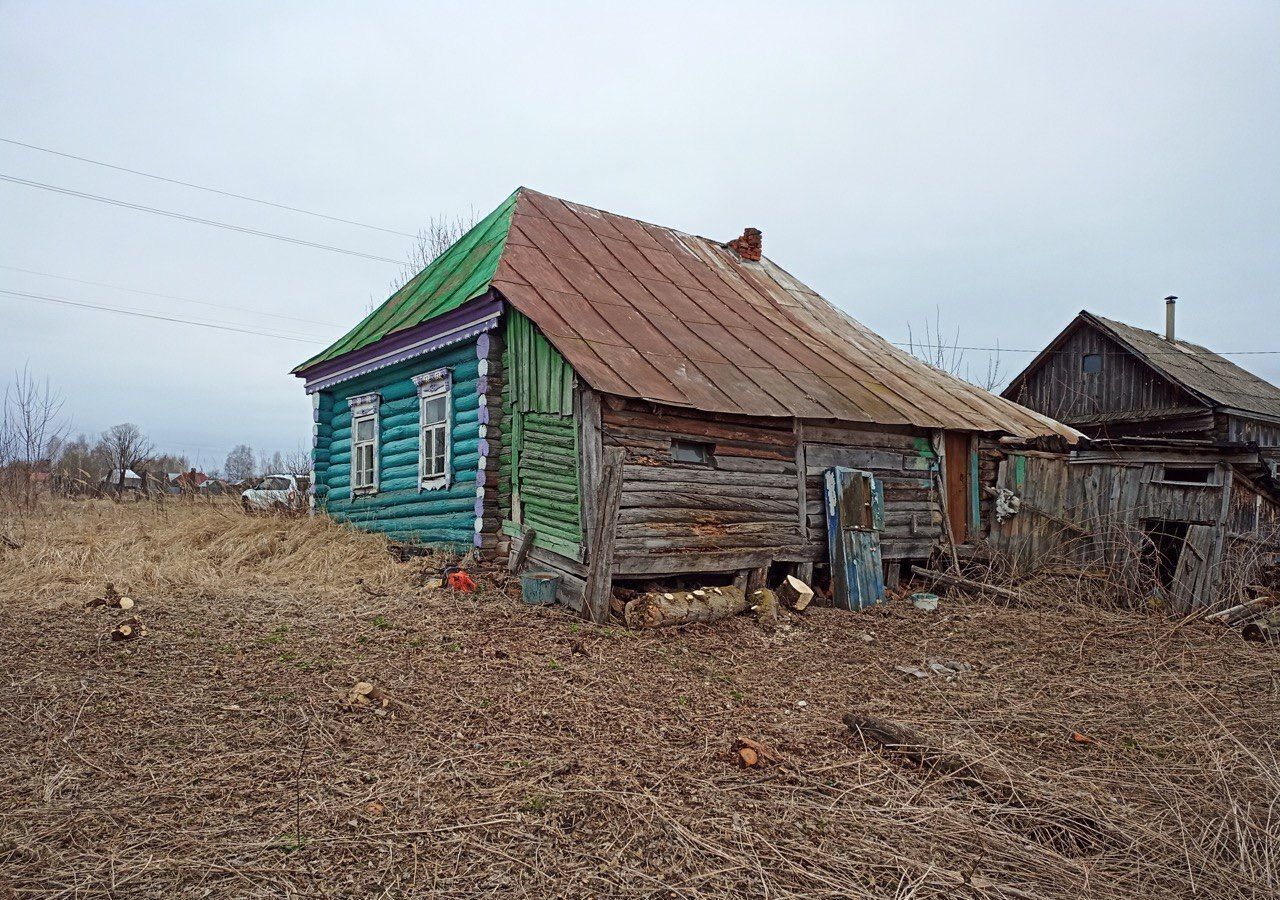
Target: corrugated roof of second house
point(653, 313)
point(1198, 369)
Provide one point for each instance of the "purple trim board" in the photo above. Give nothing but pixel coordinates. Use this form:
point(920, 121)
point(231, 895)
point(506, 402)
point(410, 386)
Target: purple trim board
point(467, 321)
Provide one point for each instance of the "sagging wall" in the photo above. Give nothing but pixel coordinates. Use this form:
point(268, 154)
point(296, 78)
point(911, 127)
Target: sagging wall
point(1100, 509)
point(446, 516)
point(901, 458)
point(703, 492)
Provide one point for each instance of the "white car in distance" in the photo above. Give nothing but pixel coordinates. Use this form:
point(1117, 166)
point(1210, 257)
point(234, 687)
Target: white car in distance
point(276, 493)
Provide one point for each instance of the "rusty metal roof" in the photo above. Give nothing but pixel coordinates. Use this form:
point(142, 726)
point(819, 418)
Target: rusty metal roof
point(652, 313)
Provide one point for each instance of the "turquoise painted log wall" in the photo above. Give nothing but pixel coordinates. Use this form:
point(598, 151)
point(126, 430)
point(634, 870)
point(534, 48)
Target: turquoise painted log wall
point(399, 509)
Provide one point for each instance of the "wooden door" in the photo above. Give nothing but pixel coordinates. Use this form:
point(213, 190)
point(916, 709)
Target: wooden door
point(956, 482)
point(1193, 578)
point(854, 504)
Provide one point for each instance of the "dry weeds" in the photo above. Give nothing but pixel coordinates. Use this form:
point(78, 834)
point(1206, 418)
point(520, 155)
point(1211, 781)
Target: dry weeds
point(529, 755)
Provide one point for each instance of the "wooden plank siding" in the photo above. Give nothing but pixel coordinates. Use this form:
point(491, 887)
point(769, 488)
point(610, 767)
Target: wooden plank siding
point(1125, 389)
point(538, 460)
point(1098, 512)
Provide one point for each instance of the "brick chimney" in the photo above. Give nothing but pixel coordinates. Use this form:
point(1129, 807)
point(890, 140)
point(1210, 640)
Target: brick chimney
point(749, 245)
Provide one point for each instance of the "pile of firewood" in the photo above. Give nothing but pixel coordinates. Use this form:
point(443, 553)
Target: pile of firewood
point(660, 609)
point(130, 629)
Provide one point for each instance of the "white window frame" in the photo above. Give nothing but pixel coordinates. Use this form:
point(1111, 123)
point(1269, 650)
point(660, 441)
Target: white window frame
point(364, 408)
point(432, 385)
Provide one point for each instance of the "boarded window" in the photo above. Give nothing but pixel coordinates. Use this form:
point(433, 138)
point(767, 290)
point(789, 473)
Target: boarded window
point(1091, 364)
point(691, 451)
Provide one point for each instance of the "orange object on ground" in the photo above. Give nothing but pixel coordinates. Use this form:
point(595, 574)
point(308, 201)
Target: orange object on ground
point(461, 581)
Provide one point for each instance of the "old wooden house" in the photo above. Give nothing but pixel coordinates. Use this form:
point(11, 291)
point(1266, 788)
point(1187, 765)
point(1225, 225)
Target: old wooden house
point(1180, 483)
point(1109, 379)
point(637, 402)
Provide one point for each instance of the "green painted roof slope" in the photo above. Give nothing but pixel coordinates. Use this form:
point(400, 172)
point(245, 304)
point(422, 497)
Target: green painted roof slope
point(461, 273)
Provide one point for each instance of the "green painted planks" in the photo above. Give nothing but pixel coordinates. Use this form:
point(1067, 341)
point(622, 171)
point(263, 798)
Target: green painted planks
point(539, 451)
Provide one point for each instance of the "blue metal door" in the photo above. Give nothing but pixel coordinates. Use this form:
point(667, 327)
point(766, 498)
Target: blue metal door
point(854, 502)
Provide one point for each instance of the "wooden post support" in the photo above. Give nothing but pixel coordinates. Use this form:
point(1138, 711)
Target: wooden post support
point(599, 587)
point(526, 544)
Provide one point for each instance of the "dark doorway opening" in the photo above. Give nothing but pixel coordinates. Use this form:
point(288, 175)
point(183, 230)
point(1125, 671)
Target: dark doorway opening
point(1165, 541)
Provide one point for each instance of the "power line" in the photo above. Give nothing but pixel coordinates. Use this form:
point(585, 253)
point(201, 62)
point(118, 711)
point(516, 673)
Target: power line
point(201, 187)
point(117, 287)
point(921, 346)
point(186, 218)
point(146, 315)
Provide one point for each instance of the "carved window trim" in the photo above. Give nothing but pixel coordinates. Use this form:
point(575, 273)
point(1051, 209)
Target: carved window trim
point(435, 385)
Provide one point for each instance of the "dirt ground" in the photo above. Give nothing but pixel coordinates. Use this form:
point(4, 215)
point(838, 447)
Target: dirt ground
point(527, 754)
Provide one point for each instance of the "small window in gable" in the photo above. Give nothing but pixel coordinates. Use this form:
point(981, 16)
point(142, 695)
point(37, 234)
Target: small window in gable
point(1091, 364)
point(364, 443)
point(691, 451)
point(435, 406)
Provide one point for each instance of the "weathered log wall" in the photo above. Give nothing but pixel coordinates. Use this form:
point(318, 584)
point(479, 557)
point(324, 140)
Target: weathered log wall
point(740, 507)
point(902, 459)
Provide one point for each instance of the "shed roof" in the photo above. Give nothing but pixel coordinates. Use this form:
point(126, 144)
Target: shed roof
point(1210, 377)
point(653, 313)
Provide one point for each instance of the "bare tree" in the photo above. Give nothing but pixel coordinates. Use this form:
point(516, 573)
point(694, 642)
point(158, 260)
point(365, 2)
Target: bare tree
point(297, 462)
point(440, 234)
point(31, 429)
point(126, 448)
point(240, 463)
point(946, 354)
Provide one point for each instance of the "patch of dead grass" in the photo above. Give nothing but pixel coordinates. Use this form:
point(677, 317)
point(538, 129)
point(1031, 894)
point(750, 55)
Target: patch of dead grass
point(215, 757)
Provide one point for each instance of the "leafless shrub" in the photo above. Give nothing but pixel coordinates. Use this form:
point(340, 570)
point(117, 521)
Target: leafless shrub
point(31, 425)
point(946, 354)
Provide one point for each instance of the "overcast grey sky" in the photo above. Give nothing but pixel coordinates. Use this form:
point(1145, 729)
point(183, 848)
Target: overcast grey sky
point(1008, 163)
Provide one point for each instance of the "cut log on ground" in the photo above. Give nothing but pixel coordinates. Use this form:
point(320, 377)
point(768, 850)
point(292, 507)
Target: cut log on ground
point(128, 630)
point(794, 593)
point(748, 753)
point(968, 584)
point(659, 610)
point(764, 603)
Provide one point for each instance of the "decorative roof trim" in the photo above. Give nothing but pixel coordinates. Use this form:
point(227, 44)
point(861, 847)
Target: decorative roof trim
point(431, 339)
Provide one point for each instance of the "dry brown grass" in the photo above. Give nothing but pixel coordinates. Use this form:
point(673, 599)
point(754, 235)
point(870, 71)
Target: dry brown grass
point(211, 758)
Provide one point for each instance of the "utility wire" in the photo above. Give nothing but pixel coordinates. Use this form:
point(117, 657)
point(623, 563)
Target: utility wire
point(146, 315)
point(921, 346)
point(117, 287)
point(201, 187)
point(186, 218)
